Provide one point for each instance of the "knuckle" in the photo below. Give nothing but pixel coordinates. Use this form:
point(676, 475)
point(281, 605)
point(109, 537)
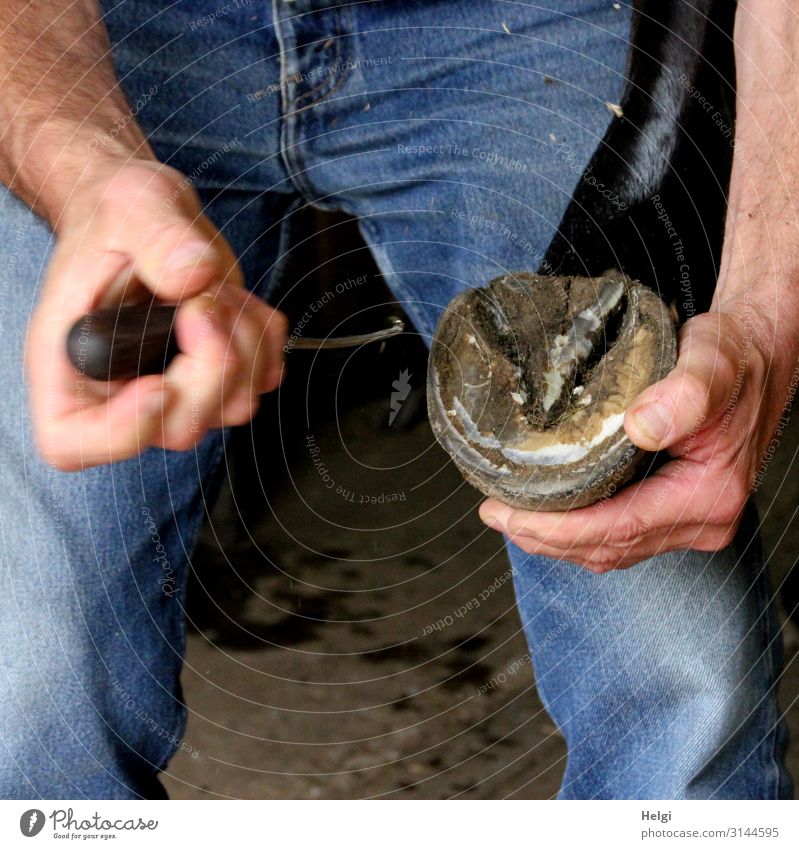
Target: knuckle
point(529, 546)
point(61, 460)
point(51, 450)
point(758, 362)
point(730, 504)
point(598, 567)
point(174, 233)
point(278, 323)
point(233, 361)
point(693, 393)
point(715, 540)
point(162, 183)
point(627, 531)
point(602, 561)
point(726, 537)
point(519, 523)
point(135, 180)
point(723, 514)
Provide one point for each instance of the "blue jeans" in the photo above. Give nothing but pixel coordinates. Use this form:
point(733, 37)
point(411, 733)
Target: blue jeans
point(440, 125)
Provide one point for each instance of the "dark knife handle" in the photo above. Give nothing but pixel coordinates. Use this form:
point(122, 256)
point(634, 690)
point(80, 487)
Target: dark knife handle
point(120, 343)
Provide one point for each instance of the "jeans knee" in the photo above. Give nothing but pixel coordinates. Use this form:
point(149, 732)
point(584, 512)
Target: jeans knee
point(74, 731)
point(673, 731)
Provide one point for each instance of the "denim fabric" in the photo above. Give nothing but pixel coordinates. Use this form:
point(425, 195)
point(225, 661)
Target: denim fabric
point(662, 678)
point(455, 131)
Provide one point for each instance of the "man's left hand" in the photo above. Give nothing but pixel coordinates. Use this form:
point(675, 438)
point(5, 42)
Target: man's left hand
point(715, 414)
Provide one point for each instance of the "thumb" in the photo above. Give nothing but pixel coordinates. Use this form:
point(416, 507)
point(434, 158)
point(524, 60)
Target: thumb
point(697, 391)
point(154, 217)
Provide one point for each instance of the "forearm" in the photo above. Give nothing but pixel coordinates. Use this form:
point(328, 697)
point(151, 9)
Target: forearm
point(759, 279)
point(61, 107)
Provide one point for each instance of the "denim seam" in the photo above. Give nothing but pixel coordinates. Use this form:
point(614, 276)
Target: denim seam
point(289, 150)
point(289, 130)
point(321, 91)
point(293, 104)
point(275, 275)
point(325, 87)
point(289, 121)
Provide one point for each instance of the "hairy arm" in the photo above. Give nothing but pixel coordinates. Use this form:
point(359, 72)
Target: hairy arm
point(717, 413)
point(760, 267)
point(60, 95)
point(128, 228)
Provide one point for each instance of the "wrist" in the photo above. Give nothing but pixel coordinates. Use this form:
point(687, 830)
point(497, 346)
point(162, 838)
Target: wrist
point(51, 161)
point(767, 332)
point(759, 278)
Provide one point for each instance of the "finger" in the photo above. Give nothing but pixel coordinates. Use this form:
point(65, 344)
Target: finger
point(261, 333)
point(74, 282)
point(591, 559)
point(240, 396)
point(257, 333)
point(208, 362)
point(273, 345)
point(654, 505)
point(152, 216)
point(105, 433)
point(604, 558)
point(576, 554)
point(61, 398)
point(704, 537)
point(695, 393)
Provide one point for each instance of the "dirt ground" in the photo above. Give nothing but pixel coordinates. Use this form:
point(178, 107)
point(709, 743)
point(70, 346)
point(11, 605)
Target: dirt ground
point(311, 668)
point(336, 544)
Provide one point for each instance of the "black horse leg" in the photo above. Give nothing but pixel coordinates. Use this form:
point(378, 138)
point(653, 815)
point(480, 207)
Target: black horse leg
point(664, 163)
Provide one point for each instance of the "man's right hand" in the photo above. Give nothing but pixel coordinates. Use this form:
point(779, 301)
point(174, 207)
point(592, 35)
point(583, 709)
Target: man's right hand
point(133, 229)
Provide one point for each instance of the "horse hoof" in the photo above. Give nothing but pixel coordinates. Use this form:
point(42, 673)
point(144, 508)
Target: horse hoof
point(529, 379)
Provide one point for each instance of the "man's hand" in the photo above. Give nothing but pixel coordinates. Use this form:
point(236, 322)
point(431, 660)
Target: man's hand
point(128, 228)
point(129, 231)
point(715, 414)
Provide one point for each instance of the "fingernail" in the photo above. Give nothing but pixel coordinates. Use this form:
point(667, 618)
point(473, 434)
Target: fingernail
point(653, 421)
point(492, 523)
